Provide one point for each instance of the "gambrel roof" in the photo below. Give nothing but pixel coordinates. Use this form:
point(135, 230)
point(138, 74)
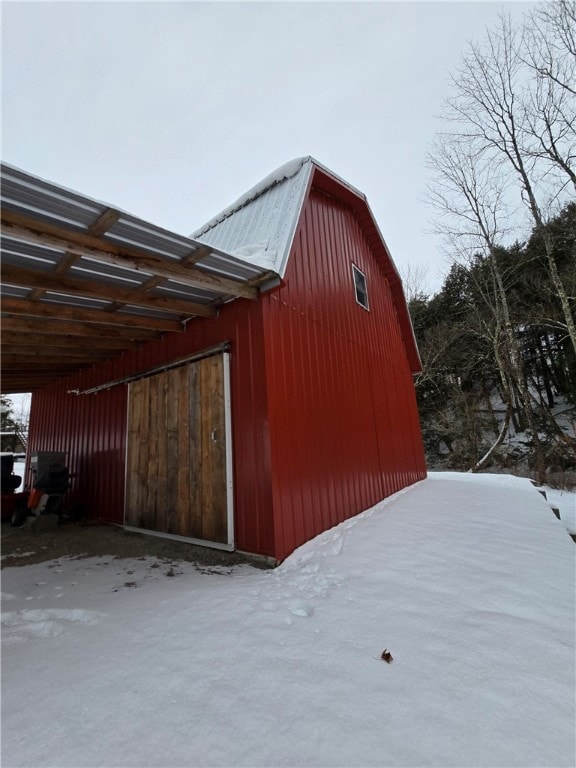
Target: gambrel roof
point(261, 223)
point(260, 226)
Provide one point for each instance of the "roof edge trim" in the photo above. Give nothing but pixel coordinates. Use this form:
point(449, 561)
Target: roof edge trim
point(286, 171)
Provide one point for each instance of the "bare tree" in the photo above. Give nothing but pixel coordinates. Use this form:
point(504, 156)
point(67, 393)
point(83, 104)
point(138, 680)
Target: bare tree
point(548, 49)
point(488, 112)
point(510, 143)
point(468, 190)
point(550, 36)
point(414, 280)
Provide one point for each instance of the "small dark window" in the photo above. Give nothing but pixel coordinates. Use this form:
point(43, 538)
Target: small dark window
point(360, 287)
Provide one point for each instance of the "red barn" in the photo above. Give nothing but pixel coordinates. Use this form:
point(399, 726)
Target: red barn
point(246, 388)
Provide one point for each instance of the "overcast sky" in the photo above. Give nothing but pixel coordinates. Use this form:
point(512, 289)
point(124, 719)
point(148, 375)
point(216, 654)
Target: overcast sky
point(171, 110)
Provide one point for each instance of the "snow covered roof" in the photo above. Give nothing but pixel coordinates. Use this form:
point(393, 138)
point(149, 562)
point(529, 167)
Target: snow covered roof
point(260, 225)
point(259, 228)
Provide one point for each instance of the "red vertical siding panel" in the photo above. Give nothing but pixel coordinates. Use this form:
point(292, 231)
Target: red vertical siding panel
point(92, 428)
point(323, 410)
point(343, 423)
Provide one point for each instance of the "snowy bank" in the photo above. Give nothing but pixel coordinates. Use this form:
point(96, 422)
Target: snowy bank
point(467, 580)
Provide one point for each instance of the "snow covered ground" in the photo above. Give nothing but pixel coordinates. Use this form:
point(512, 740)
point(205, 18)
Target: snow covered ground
point(468, 580)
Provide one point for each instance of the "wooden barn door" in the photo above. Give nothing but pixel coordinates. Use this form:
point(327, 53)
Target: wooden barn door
point(178, 481)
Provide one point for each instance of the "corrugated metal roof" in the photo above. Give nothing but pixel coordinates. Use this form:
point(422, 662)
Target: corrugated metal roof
point(64, 254)
point(260, 225)
point(26, 194)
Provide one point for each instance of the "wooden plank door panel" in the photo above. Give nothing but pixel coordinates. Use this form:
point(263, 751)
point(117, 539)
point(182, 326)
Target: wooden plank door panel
point(182, 460)
point(212, 451)
point(176, 463)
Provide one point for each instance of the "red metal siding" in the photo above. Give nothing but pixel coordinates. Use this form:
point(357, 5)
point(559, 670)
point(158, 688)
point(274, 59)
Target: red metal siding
point(92, 431)
point(323, 407)
point(92, 428)
point(344, 427)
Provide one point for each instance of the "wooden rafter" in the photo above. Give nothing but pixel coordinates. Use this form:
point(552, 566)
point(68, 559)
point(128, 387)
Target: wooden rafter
point(147, 286)
point(32, 326)
point(200, 253)
point(139, 285)
point(41, 337)
point(102, 224)
point(26, 351)
point(81, 244)
point(16, 375)
point(30, 278)
point(28, 383)
point(12, 378)
point(25, 365)
point(123, 322)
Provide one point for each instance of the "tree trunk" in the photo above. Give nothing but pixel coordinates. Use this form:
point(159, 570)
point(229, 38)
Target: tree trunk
point(558, 285)
point(500, 439)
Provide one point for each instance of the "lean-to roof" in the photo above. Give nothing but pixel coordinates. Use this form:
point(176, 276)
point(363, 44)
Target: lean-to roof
point(83, 281)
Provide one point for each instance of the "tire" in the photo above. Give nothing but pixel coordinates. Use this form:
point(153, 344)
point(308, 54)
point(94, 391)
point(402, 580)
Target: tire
point(19, 516)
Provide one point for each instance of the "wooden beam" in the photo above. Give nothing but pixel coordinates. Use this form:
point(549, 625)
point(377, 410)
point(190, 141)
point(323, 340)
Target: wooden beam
point(46, 366)
point(56, 366)
point(102, 224)
point(30, 278)
point(41, 336)
point(197, 255)
point(14, 373)
point(151, 283)
point(27, 383)
point(15, 219)
point(25, 378)
point(61, 312)
point(81, 244)
point(63, 265)
point(26, 351)
point(87, 331)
